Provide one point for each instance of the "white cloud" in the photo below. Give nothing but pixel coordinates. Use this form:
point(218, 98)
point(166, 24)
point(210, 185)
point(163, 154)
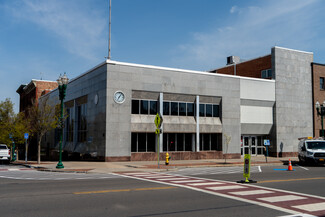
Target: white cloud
point(80, 30)
point(233, 9)
point(251, 32)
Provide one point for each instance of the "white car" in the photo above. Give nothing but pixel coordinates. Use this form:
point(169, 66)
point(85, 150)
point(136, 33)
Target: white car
point(311, 151)
point(4, 153)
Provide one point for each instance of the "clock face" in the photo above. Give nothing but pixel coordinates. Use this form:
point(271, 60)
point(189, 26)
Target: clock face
point(119, 97)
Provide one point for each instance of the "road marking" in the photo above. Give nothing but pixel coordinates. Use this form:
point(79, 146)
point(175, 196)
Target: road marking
point(123, 190)
point(290, 180)
point(137, 173)
point(206, 183)
point(303, 168)
point(253, 192)
point(299, 215)
point(281, 198)
point(213, 170)
point(311, 207)
point(170, 179)
point(158, 176)
point(187, 181)
point(281, 205)
point(259, 169)
point(227, 187)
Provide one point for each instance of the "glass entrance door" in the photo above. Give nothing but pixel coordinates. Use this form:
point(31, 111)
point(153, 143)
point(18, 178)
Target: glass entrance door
point(249, 145)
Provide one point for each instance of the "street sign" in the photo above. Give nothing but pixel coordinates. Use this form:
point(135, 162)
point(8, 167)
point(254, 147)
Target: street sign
point(266, 142)
point(26, 135)
point(158, 120)
point(247, 160)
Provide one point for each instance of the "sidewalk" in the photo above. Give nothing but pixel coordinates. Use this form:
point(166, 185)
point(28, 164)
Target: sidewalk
point(109, 167)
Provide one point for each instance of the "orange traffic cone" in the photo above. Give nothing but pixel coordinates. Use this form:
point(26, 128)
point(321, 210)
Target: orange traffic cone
point(289, 165)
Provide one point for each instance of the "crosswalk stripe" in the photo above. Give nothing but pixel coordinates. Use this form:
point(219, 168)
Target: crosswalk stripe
point(214, 170)
point(157, 177)
point(187, 181)
point(312, 207)
point(253, 192)
point(281, 198)
point(135, 173)
point(206, 183)
point(170, 179)
point(227, 187)
point(247, 193)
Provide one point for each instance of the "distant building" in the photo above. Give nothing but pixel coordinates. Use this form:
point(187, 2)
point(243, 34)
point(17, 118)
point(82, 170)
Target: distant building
point(30, 93)
point(318, 85)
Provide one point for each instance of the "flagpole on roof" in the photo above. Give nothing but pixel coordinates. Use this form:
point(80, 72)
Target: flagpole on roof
point(109, 32)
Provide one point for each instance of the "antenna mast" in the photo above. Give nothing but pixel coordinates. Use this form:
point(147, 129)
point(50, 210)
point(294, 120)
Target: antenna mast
point(109, 32)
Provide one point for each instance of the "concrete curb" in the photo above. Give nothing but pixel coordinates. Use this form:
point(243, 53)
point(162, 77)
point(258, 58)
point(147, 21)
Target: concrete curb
point(141, 167)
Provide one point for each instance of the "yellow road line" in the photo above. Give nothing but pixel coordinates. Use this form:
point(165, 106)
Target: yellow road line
point(123, 190)
point(290, 180)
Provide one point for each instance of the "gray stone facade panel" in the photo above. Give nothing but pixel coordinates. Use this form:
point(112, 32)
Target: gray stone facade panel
point(293, 108)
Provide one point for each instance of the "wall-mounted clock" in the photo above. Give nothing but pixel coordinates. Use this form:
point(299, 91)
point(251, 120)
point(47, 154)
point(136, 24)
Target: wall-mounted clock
point(119, 97)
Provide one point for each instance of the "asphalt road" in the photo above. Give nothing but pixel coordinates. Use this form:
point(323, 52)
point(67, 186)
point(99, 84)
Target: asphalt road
point(131, 197)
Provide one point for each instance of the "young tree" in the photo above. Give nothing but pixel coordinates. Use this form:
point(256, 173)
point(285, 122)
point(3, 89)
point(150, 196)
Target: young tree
point(227, 141)
point(42, 118)
point(11, 123)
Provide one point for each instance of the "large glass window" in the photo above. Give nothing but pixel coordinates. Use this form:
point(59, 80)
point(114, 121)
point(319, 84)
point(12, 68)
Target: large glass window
point(70, 124)
point(135, 106)
point(190, 109)
point(144, 107)
point(180, 142)
point(206, 142)
point(182, 109)
point(171, 141)
point(210, 141)
point(153, 107)
point(134, 142)
point(82, 122)
point(143, 142)
point(208, 110)
point(215, 110)
point(151, 142)
point(188, 142)
point(202, 110)
point(166, 106)
point(174, 108)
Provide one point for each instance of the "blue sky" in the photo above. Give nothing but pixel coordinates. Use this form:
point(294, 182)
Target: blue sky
point(41, 39)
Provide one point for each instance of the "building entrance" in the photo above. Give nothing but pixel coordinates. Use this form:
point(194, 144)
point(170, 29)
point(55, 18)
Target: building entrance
point(251, 145)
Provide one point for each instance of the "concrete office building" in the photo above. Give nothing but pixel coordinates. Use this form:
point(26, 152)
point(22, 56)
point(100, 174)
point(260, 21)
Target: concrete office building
point(293, 111)
point(112, 109)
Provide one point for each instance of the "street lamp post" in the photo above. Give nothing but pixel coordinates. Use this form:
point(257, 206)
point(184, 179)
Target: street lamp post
point(62, 82)
point(321, 112)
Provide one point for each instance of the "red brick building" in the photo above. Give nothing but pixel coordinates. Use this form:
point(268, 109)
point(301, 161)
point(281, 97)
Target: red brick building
point(260, 67)
point(318, 85)
point(31, 92)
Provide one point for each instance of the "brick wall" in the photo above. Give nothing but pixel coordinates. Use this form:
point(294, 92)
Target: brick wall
point(33, 91)
point(41, 86)
point(318, 71)
point(251, 68)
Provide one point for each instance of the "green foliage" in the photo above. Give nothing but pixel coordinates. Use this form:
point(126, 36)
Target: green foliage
point(42, 118)
point(11, 123)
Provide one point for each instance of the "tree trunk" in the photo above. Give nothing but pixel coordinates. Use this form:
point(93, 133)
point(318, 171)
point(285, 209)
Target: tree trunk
point(39, 150)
